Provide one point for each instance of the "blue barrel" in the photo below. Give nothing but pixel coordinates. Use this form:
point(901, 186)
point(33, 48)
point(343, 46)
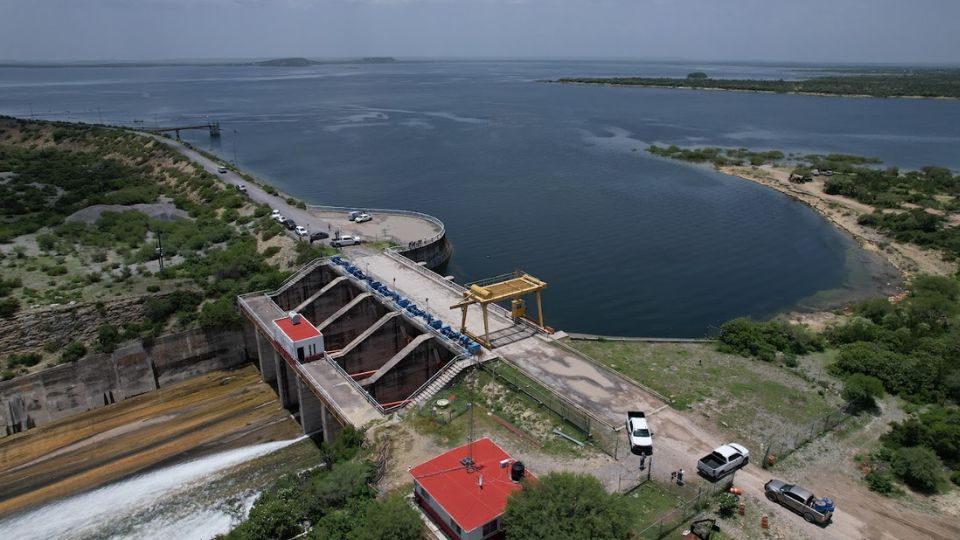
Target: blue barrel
point(473, 348)
point(436, 324)
point(403, 302)
point(336, 259)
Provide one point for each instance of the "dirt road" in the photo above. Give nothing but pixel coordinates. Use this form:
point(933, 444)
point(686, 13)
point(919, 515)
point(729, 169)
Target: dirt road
point(680, 440)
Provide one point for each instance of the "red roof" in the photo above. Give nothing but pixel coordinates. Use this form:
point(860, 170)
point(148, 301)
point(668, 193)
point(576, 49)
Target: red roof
point(458, 491)
point(297, 332)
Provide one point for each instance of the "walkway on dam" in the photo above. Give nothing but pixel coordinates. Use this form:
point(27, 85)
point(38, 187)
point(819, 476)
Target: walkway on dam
point(604, 393)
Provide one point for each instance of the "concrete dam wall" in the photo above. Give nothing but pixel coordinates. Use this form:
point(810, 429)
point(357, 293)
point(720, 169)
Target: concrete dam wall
point(101, 379)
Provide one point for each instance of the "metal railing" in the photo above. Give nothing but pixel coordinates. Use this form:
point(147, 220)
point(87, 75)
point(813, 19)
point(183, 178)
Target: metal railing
point(447, 367)
point(598, 431)
point(355, 384)
point(686, 510)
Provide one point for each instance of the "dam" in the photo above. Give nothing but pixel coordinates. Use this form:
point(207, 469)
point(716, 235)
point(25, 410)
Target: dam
point(347, 341)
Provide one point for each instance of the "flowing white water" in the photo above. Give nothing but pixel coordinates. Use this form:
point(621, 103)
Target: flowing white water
point(166, 503)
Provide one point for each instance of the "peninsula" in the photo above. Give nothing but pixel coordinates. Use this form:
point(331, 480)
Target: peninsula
point(903, 83)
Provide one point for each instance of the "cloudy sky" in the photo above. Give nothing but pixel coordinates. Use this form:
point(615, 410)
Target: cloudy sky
point(898, 31)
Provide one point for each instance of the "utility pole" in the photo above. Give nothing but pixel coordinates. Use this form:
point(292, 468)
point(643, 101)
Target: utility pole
point(160, 250)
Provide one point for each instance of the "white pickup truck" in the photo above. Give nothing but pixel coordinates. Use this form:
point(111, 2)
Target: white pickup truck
point(723, 460)
point(641, 438)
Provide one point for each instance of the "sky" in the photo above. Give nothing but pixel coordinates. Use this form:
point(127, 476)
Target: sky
point(824, 31)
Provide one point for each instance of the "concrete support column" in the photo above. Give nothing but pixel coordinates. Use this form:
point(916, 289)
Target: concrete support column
point(331, 427)
point(265, 354)
point(283, 381)
point(311, 410)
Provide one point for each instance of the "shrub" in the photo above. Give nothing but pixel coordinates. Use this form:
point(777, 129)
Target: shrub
point(8, 307)
point(919, 468)
point(74, 351)
point(46, 242)
point(107, 338)
point(271, 251)
point(862, 391)
point(880, 481)
point(221, 314)
point(727, 504)
point(29, 359)
point(7, 375)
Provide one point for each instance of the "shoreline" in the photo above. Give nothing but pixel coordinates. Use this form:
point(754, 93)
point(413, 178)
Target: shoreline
point(749, 90)
point(843, 213)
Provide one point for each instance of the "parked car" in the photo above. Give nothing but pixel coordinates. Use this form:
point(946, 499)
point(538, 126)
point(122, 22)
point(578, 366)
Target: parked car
point(279, 218)
point(222, 169)
point(301, 230)
point(641, 438)
point(345, 241)
point(363, 218)
point(318, 236)
point(241, 188)
point(290, 224)
point(800, 500)
point(353, 215)
point(274, 213)
point(723, 460)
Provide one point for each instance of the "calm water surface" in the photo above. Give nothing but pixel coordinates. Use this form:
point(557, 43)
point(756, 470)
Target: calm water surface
point(549, 178)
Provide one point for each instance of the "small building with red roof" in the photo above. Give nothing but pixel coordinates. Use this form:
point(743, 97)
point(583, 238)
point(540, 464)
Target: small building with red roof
point(298, 336)
point(467, 502)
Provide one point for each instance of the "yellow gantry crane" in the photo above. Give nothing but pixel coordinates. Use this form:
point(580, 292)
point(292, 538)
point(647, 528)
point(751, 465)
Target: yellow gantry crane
point(517, 285)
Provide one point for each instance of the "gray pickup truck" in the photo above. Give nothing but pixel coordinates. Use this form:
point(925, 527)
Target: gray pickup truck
point(799, 500)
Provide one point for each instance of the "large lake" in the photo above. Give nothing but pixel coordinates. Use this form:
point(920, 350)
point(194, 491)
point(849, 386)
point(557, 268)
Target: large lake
point(552, 179)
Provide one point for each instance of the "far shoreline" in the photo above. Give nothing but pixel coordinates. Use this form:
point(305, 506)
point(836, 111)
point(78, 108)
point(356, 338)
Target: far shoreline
point(749, 91)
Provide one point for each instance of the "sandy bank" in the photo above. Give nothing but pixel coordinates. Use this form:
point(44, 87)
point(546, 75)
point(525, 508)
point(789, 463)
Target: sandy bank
point(844, 212)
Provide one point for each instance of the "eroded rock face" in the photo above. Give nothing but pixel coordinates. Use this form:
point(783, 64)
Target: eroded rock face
point(30, 330)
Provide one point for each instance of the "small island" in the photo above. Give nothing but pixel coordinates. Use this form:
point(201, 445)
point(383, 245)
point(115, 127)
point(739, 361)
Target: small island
point(902, 83)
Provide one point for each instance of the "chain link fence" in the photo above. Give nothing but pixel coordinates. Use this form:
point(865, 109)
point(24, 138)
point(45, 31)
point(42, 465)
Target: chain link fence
point(686, 509)
point(790, 440)
point(599, 433)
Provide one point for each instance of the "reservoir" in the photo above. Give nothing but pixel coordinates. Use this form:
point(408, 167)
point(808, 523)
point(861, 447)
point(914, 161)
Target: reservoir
point(550, 178)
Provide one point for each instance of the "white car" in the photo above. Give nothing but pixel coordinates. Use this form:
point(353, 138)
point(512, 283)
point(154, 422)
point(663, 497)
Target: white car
point(345, 241)
point(278, 218)
point(641, 438)
point(363, 218)
point(301, 230)
point(275, 213)
point(241, 188)
point(222, 169)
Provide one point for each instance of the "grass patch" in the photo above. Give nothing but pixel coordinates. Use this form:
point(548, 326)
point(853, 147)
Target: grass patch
point(450, 425)
point(751, 398)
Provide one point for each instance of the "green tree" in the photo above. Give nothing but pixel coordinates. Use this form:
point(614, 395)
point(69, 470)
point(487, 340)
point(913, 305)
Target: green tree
point(920, 468)
point(697, 75)
point(565, 505)
point(389, 519)
point(862, 391)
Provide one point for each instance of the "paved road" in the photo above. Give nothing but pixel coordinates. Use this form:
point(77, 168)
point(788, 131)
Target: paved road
point(402, 229)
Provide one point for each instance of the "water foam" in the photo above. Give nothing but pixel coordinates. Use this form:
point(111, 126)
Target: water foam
point(118, 510)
